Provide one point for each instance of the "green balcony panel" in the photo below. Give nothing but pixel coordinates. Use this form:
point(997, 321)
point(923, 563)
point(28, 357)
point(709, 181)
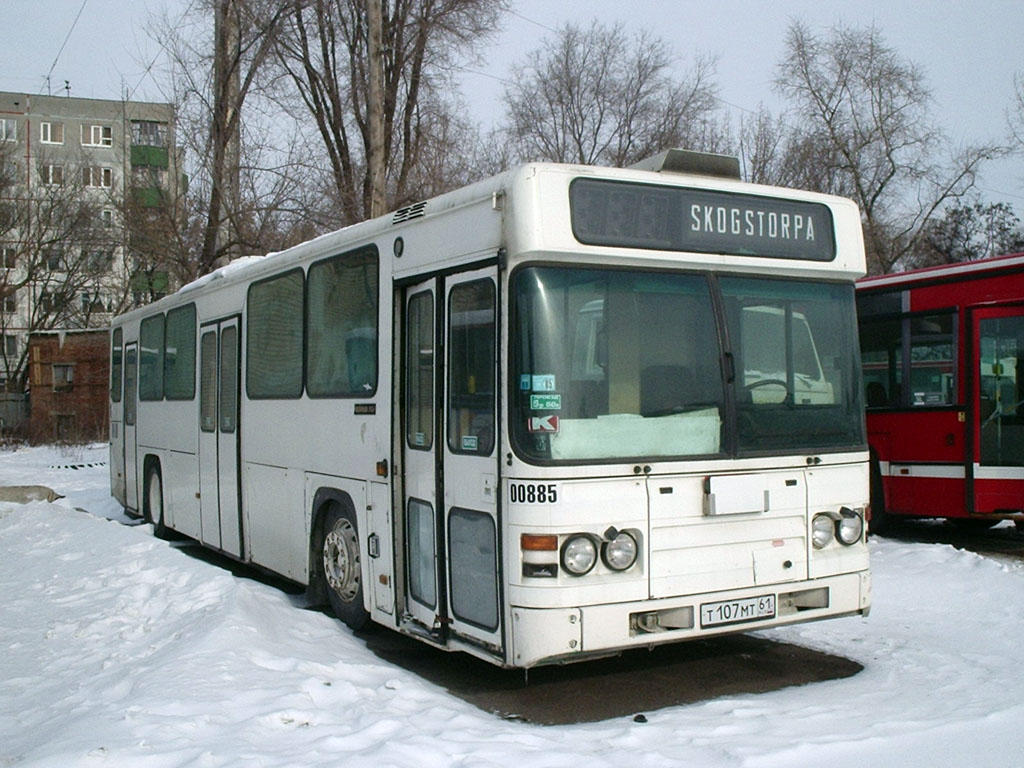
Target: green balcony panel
point(157, 157)
point(149, 197)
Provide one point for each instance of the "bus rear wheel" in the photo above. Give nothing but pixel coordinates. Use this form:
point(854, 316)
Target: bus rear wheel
point(154, 506)
point(342, 568)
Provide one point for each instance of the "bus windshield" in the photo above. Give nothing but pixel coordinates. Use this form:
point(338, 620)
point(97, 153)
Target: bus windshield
point(628, 364)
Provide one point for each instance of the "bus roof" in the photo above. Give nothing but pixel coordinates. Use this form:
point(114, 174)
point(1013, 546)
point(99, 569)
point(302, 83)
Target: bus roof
point(490, 189)
point(964, 270)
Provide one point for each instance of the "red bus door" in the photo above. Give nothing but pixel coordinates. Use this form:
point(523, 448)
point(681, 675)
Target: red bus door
point(998, 410)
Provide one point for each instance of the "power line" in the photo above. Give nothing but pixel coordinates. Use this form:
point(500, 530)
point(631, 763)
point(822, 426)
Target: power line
point(163, 48)
point(532, 21)
point(66, 38)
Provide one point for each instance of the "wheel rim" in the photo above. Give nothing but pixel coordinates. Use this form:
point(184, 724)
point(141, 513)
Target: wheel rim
point(341, 560)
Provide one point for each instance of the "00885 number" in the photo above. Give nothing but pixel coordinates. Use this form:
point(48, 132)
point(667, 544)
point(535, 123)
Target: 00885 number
point(533, 493)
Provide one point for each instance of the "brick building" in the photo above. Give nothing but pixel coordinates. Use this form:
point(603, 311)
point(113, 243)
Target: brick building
point(69, 375)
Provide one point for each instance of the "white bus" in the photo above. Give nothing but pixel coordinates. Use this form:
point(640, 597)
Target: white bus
point(524, 419)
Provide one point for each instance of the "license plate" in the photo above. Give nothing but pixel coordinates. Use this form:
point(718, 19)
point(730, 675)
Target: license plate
point(737, 611)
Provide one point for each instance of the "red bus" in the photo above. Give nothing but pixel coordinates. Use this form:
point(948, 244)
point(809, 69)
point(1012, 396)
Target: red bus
point(942, 350)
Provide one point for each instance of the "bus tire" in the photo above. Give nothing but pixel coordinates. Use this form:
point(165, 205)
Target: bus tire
point(341, 565)
point(974, 523)
point(880, 522)
point(153, 509)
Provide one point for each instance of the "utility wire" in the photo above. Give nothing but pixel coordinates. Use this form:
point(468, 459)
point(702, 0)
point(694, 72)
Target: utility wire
point(66, 38)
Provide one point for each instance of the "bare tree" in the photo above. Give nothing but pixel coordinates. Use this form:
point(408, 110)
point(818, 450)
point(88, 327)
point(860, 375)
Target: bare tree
point(760, 146)
point(598, 96)
point(865, 111)
point(219, 81)
point(967, 232)
point(1015, 115)
point(243, 38)
point(326, 53)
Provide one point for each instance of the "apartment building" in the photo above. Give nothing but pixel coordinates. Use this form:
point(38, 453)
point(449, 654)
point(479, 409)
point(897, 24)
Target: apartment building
point(86, 188)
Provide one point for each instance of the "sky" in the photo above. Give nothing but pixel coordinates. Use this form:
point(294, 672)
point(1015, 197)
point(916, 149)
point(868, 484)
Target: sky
point(127, 651)
point(968, 51)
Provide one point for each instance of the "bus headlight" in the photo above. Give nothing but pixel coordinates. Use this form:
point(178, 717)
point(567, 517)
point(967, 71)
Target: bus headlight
point(619, 554)
point(849, 526)
point(579, 554)
point(822, 530)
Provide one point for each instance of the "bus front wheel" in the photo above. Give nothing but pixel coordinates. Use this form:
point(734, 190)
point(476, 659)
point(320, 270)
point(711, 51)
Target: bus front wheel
point(342, 571)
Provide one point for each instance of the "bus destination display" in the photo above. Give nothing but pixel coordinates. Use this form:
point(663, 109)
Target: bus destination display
point(702, 221)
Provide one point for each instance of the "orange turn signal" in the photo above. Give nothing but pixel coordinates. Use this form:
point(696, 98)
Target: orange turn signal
point(533, 542)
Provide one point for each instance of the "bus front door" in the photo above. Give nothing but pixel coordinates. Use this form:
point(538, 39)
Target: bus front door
point(219, 506)
point(998, 460)
point(470, 466)
point(450, 457)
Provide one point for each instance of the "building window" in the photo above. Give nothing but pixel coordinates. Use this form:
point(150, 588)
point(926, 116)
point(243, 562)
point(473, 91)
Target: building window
point(54, 258)
point(52, 175)
point(10, 345)
point(107, 217)
point(63, 377)
point(8, 129)
point(93, 303)
point(10, 302)
point(10, 257)
point(149, 133)
point(8, 214)
point(97, 136)
point(51, 133)
point(8, 172)
point(98, 261)
point(97, 176)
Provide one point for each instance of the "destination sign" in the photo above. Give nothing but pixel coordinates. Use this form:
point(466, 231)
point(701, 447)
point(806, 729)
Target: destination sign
point(703, 221)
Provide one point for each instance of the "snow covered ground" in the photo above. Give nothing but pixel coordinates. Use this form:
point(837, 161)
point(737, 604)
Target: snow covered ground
point(118, 649)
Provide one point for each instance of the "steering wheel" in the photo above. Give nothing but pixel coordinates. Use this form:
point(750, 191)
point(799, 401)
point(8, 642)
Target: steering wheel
point(765, 382)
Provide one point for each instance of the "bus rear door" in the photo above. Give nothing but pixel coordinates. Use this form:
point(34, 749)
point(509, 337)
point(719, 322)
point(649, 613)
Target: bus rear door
point(998, 409)
point(218, 437)
point(131, 377)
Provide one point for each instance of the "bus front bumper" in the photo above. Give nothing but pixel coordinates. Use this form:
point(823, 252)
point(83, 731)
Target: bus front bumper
point(561, 635)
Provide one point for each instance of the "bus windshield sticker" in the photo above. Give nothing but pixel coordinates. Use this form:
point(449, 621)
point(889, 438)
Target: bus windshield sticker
point(545, 402)
point(544, 382)
point(547, 423)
